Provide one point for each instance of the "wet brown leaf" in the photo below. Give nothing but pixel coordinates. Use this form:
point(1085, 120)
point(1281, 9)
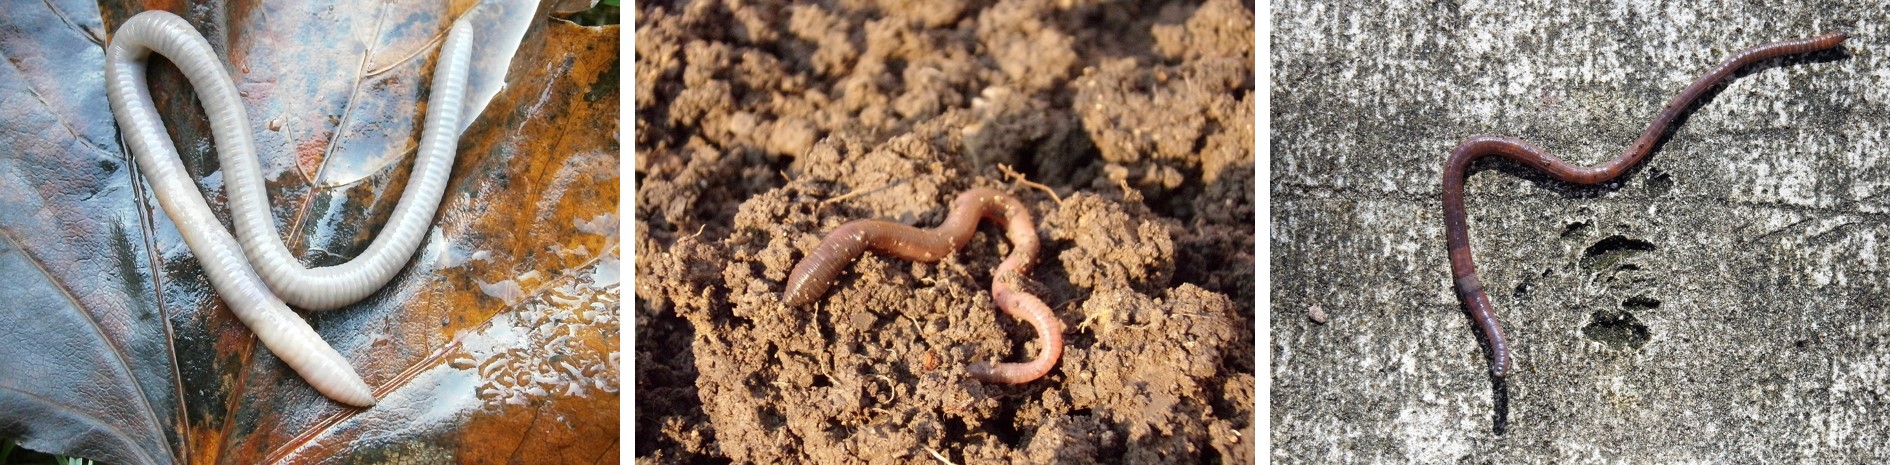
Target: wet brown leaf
point(499, 341)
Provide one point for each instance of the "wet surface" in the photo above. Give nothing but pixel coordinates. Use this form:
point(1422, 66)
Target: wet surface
point(462, 375)
point(548, 360)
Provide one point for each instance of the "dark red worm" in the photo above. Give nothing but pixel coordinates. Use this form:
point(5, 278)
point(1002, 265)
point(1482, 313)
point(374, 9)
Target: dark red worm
point(1456, 228)
point(816, 272)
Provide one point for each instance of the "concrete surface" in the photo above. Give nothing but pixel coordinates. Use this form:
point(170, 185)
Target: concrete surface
point(1723, 303)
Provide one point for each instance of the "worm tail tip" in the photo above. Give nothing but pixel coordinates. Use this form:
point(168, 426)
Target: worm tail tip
point(349, 390)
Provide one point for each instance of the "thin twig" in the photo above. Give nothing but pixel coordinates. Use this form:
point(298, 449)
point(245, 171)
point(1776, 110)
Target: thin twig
point(1019, 177)
point(935, 454)
point(859, 192)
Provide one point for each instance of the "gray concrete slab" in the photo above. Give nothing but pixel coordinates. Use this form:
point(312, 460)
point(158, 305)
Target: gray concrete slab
point(1723, 303)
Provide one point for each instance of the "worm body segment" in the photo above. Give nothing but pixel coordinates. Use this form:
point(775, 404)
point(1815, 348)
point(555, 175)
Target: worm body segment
point(331, 287)
point(813, 274)
point(233, 268)
point(1456, 227)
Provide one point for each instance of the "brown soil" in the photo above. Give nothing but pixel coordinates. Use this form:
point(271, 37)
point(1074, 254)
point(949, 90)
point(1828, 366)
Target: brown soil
point(761, 127)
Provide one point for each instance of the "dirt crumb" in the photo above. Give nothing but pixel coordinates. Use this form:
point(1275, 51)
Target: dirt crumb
point(1107, 247)
point(763, 126)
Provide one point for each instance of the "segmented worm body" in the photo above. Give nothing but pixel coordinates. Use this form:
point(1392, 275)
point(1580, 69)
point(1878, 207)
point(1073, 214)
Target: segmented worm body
point(816, 272)
point(256, 277)
point(331, 287)
point(1457, 233)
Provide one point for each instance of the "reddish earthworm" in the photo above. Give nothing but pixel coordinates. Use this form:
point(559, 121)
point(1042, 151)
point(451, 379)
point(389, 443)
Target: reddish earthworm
point(1456, 229)
point(814, 273)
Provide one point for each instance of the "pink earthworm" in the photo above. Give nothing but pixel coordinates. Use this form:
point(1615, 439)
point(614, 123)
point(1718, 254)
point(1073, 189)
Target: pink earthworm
point(816, 272)
point(1456, 170)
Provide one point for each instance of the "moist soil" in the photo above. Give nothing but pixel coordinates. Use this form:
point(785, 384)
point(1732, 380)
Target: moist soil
point(1126, 129)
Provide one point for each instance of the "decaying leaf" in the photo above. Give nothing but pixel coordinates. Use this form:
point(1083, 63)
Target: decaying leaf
point(498, 341)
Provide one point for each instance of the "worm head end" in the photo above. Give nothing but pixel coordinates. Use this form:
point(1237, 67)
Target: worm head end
point(803, 288)
point(1830, 39)
point(982, 372)
point(352, 392)
point(796, 295)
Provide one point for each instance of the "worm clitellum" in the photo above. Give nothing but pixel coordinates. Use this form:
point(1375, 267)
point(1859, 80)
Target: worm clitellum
point(1456, 228)
point(251, 278)
point(814, 273)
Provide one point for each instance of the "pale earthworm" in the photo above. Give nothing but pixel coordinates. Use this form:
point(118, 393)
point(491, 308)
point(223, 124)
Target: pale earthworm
point(331, 287)
point(227, 265)
point(1456, 228)
point(334, 286)
point(816, 272)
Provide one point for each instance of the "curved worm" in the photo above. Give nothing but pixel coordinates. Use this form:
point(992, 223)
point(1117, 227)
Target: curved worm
point(225, 263)
point(1456, 228)
point(816, 272)
point(331, 287)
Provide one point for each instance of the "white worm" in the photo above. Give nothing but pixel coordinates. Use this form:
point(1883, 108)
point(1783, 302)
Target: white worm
point(331, 287)
point(227, 265)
